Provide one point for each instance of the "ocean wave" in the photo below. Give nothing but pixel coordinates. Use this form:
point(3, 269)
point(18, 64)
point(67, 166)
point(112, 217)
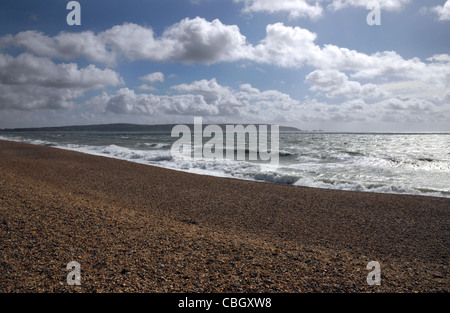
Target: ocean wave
point(370, 187)
point(154, 145)
point(314, 165)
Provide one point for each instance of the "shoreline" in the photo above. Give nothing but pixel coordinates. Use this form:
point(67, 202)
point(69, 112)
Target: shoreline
point(140, 228)
point(431, 193)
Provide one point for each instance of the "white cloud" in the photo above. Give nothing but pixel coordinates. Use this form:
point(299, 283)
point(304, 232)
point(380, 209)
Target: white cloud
point(30, 82)
point(313, 9)
point(201, 41)
point(62, 46)
point(443, 12)
point(153, 77)
point(295, 8)
point(268, 99)
point(197, 40)
point(335, 84)
point(29, 69)
point(416, 89)
point(31, 97)
point(391, 110)
point(248, 97)
point(387, 5)
point(190, 40)
point(212, 92)
point(136, 42)
point(146, 87)
point(441, 58)
point(286, 46)
point(126, 101)
point(411, 110)
point(203, 97)
point(216, 102)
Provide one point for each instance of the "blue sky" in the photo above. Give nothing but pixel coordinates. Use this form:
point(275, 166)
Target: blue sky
point(309, 64)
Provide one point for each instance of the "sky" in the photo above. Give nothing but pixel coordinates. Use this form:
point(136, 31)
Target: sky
point(333, 65)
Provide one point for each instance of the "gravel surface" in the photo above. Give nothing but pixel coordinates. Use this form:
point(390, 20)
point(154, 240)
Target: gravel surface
point(138, 228)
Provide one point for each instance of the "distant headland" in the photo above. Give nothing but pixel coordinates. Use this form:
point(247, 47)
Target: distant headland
point(120, 127)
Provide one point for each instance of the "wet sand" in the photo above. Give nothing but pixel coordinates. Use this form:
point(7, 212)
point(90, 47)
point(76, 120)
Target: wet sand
point(138, 228)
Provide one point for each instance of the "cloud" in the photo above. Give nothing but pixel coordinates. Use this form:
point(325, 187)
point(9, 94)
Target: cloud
point(313, 9)
point(443, 12)
point(30, 82)
point(336, 84)
point(391, 110)
point(126, 101)
point(31, 97)
point(190, 40)
point(295, 8)
point(136, 42)
point(247, 97)
point(29, 69)
point(197, 40)
point(211, 91)
point(441, 58)
point(286, 46)
point(203, 97)
point(416, 89)
point(62, 46)
point(216, 102)
point(411, 110)
point(200, 41)
point(387, 5)
point(268, 99)
point(146, 87)
point(153, 77)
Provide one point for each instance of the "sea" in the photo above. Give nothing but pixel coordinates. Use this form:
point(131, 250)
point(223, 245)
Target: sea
point(399, 163)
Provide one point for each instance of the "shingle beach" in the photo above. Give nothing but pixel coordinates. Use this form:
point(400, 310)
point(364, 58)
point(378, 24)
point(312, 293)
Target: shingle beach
point(139, 228)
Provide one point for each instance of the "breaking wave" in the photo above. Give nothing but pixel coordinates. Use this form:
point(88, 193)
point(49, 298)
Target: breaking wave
point(370, 163)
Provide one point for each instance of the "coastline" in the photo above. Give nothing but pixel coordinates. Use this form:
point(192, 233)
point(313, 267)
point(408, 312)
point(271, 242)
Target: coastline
point(139, 228)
